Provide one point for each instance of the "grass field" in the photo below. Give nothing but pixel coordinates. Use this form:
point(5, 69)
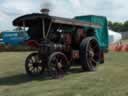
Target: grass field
point(110, 79)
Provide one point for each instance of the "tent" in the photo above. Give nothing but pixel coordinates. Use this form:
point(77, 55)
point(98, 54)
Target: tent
point(1, 41)
point(114, 37)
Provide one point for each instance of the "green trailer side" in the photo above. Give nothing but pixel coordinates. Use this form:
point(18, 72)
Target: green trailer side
point(101, 33)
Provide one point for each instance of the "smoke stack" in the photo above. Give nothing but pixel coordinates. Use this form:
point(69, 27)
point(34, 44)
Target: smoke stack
point(45, 11)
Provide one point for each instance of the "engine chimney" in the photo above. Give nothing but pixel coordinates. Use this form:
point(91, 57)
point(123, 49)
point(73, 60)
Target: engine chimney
point(45, 11)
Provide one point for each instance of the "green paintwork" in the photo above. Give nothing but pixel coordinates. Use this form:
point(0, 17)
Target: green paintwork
point(101, 33)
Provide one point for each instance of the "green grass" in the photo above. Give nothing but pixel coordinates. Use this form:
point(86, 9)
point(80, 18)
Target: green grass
point(110, 79)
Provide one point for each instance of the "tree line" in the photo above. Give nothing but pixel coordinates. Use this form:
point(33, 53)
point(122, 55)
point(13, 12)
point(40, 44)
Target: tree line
point(118, 26)
point(0, 35)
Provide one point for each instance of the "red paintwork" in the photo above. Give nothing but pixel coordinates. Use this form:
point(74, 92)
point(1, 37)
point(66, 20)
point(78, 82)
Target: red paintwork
point(75, 54)
point(33, 43)
point(68, 39)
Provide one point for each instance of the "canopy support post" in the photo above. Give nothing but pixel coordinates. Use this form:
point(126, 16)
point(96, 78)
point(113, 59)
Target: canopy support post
point(24, 26)
point(43, 27)
point(49, 29)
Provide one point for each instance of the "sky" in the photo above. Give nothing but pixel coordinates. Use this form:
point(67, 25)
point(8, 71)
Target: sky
point(114, 10)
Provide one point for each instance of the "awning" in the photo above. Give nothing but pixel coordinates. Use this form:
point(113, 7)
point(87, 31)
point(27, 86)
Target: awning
point(28, 19)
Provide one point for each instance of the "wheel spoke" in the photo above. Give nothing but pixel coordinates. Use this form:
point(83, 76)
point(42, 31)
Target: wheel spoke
point(59, 65)
point(57, 59)
point(91, 54)
point(90, 48)
point(37, 59)
point(30, 64)
point(94, 46)
point(94, 61)
point(30, 67)
point(38, 68)
point(33, 70)
point(31, 61)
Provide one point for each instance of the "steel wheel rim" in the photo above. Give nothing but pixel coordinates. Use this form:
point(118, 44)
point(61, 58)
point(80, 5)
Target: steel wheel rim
point(56, 65)
point(34, 65)
point(92, 50)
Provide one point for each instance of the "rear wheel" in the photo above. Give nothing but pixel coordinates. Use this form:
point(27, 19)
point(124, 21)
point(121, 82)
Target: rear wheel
point(34, 65)
point(89, 53)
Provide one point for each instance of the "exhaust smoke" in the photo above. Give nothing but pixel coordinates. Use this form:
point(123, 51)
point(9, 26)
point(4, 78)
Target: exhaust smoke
point(62, 8)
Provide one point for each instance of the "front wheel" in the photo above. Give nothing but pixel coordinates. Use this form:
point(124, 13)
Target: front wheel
point(34, 65)
point(57, 64)
point(89, 53)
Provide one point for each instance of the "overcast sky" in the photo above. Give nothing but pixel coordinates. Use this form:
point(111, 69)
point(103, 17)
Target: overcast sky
point(114, 10)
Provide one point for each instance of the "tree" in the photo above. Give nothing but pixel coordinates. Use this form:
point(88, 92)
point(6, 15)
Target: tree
point(125, 26)
point(118, 26)
point(0, 35)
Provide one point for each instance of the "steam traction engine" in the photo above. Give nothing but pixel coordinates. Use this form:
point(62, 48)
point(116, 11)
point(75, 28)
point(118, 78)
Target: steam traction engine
point(59, 41)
